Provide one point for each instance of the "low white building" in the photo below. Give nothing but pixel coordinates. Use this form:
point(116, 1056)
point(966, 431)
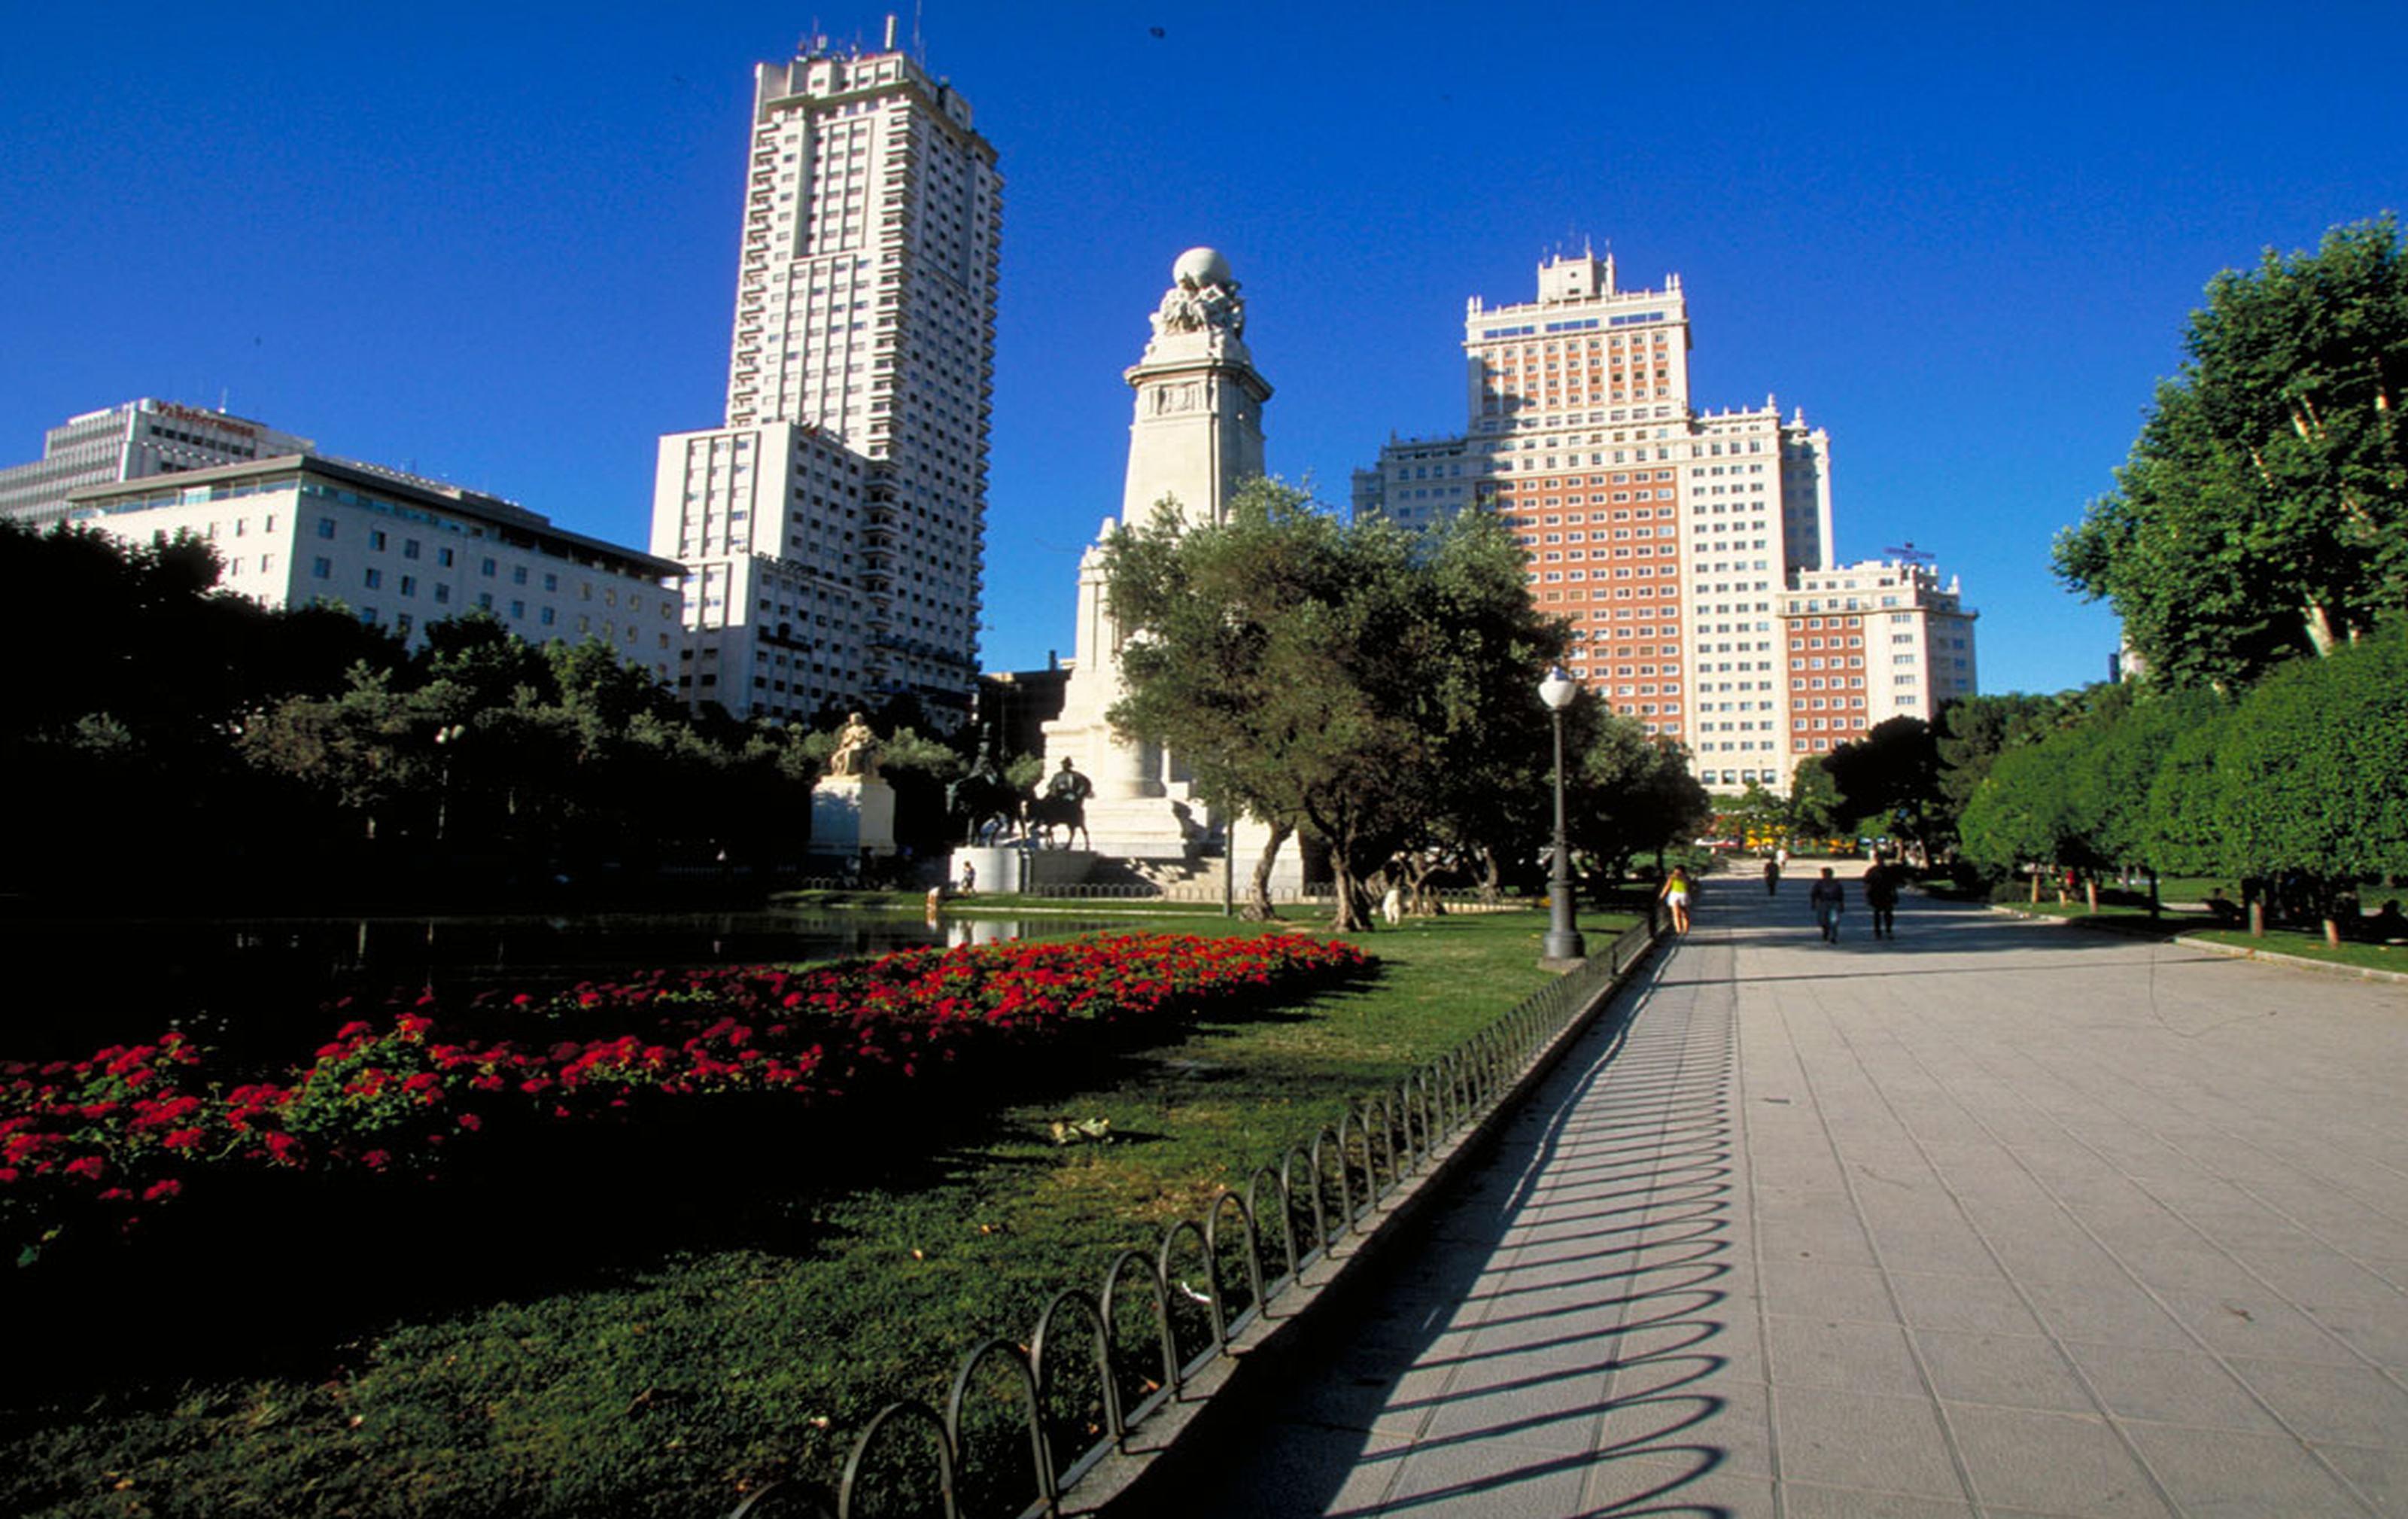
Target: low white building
point(1418, 483)
point(136, 441)
point(401, 552)
point(1870, 642)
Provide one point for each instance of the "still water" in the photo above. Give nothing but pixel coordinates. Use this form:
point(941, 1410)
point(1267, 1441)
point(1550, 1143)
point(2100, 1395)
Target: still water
point(88, 982)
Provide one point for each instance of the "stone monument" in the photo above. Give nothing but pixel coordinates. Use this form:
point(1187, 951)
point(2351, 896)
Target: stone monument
point(1197, 437)
point(852, 811)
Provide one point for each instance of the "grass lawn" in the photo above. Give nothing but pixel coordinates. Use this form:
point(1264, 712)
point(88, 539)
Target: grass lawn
point(2305, 945)
point(616, 1333)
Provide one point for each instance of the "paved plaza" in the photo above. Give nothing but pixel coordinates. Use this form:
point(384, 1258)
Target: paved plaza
point(1996, 1218)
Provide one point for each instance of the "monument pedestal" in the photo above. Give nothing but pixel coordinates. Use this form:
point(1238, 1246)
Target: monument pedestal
point(1014, 868)
point(850, 814)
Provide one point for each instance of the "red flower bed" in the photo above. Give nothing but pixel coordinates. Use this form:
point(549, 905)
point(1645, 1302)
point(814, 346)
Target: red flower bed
point(129, 1128)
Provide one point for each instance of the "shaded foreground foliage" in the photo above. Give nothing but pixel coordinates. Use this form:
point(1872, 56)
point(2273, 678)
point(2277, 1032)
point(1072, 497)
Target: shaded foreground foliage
point(287, 752)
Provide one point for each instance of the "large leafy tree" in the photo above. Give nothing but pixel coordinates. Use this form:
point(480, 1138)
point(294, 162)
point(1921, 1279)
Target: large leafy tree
point(2263, 513)
point(1888, 780)
point(1974, 730)
point(1353, 681)
point(2313, 773)
point(1630, 794)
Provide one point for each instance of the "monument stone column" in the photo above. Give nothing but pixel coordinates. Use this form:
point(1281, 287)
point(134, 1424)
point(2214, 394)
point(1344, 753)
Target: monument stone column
point(1196, 435)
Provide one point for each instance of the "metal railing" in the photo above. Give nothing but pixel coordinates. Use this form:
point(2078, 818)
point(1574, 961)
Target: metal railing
point(1148, 1330)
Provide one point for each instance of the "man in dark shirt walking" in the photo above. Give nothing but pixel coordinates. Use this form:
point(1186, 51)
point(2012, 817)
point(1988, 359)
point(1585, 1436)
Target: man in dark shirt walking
point(1829, 901)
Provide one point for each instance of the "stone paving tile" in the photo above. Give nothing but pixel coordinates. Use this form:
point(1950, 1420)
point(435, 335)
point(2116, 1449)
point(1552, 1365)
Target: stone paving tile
point(2220, 1474)
point(1836, 1291)
point(1981, 1303)
point(1851, 1356)
point(1669, 1488)
point(1730, 1417)
point(2257, 1323)
point(2108, 1314)
point(2380, 1476)
point(2053, 1463)
point(1805, 1500)
point(2349, 1405)
point(1853, 1440)
point(2013, 1371)
point(1476, 1478)
point(2183, 1387)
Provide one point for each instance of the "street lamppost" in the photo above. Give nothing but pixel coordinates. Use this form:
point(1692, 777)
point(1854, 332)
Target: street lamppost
point(445, 737)
point(1563, 940)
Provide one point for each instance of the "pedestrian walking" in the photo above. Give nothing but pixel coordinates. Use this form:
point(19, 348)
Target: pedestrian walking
point(1771, 876)
point(1676, 897)
point(1830, 901)
point(1881, 896)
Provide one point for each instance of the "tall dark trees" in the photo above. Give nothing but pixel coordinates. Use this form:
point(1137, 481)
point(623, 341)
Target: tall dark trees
point(2263, 514)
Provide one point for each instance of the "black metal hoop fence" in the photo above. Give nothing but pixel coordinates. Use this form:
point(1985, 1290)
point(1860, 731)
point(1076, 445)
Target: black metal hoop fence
point(1099, 1365)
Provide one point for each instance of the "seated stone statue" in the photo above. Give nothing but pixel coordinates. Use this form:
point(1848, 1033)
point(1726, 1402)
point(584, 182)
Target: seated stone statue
point(857, 750)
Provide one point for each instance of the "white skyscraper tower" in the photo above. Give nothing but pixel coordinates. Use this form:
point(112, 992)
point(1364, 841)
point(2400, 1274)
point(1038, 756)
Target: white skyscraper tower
point(834, 524)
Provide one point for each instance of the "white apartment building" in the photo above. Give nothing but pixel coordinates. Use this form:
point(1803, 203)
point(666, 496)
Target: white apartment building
point(1418, 483)
point(1871, 642)
point(844, 501)
point(134, 441)
point(401, 552)
point(1669, 537)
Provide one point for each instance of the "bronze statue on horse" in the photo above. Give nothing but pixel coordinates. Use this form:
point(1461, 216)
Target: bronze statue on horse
point(987, 803)
point(1062, 806)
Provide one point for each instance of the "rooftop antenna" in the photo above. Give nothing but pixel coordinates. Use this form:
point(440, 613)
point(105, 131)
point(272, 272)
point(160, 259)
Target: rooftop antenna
point(919, 44)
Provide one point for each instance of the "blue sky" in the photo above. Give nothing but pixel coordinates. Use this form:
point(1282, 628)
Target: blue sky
point(497, 244)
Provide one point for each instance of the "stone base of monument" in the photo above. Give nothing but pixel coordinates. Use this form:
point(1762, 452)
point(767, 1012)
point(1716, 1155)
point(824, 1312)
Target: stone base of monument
point(1011, 868)
point(850, 814)
point(1142, 828)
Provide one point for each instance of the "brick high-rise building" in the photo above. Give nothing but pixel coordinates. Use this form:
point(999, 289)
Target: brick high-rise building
point(834, 524)
point(1668, 536)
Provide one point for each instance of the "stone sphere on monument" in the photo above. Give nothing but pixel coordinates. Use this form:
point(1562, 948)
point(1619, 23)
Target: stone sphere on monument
point(1200, 267)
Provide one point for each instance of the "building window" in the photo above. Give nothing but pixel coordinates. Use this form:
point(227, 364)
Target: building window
point(325, 527)
point(545, 617)
point(517, 574)
point(409, 548)
point(442, 594)
point(443, 557)
point(488, 569)
point(518, 609)
point(375, 579)
point(408, 584)
point(322, 569)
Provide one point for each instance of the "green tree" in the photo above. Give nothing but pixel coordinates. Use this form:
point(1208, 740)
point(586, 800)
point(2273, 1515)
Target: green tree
point(1630, 794)
point(1816, 809)
point(1974, 730)
point(1888, 780)
point(2263, 513)
point(1338, 679)
point(2310, 775)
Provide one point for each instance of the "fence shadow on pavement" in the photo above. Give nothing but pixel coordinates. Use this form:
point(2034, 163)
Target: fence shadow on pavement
point(1556, 1343)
